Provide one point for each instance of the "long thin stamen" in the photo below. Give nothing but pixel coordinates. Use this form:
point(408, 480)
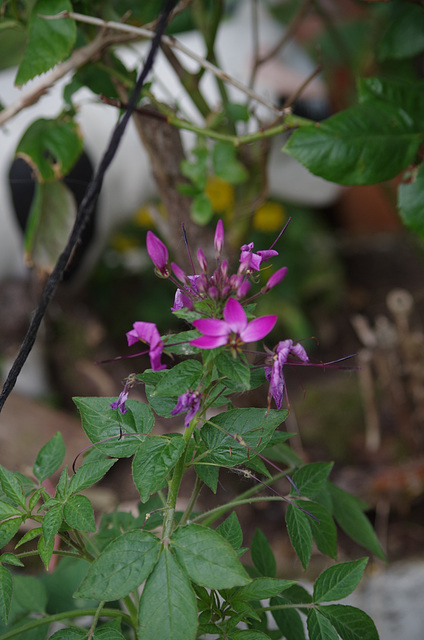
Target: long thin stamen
point(188, 248)
point(281, 233)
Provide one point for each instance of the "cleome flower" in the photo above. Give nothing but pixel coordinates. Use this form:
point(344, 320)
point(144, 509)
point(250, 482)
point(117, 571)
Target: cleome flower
point(274, 372)
point(190, 402)
point(148, 332)
point(234, 330)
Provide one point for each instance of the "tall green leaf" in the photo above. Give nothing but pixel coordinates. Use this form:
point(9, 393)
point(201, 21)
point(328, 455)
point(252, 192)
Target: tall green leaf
point(89, 473)
point(78, 513)
point(311, 478)
point(339, 581)
point(12, 487)
point(6, 588)
point(51, 522)
point(404, 37)
point(168, 603)
point(288, 619)
point(300, 533)
point(207, 557)
point(349, 622)
point(122, 566)
point(49, 458)
point(319, 627)
point(262, 555)
point(154, 459)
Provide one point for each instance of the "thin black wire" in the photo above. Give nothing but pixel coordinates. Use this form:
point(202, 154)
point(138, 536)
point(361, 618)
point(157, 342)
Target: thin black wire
point(85, 211)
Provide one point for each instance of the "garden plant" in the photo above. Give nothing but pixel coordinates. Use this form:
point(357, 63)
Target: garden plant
point(172, 572)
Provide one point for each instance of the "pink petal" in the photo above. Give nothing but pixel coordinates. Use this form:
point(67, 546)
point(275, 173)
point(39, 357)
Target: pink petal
point(211, 326)
point(258, 328)
point(235, 316)
point(147, 332)
point(209, 342)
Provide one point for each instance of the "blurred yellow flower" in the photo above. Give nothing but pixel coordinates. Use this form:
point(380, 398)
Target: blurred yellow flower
point(269, 217)
point(220, 193)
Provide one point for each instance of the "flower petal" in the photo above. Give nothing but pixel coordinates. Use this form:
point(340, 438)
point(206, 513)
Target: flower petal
point(234, 316)
point(209, 342)
point(258, 328)
point(212, 326)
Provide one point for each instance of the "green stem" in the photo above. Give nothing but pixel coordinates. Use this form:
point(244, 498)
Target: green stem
point(58, 552)
point(195, 494)
point(132, 610)
point(95, 620)
point(209, 517)
point(291, 605)
point(76, 613)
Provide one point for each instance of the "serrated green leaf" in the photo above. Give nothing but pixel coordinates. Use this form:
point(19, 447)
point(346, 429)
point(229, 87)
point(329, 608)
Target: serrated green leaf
point(234, 369)
point(209, 474)
point(349, 515)
point(262, 555)
point(7, 510)
point(311, 478)
point(261, 588)
point(30, 594)
point(349, 622)
point(207, 557)
point(6, 589)
point(62, 485)
point(410, 201)
point(404, 37)
point(45, 550)
point(10, 558)
point(230, 529)
point(51, 523)
point(33, 501)
point(78, 513)
point(339, 581)
point(50, 41)
point(319, 627)
point(30, 535)
point(168, 603)
point(324, 530)
point(49, 458)
point(89, 473)
point(100, 422)
point(300, 533)
point(8, 528)
point(12, 487)
point(222, 434)
point(154, 459)
point(122, 566)
point(185, 375)
point(288, 620)
point(365, 144)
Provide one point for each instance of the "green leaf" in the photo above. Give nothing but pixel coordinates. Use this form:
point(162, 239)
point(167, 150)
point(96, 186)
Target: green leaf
point(100, 422)
point(209, 474)
point(254, 426)
point(230, 529)
point(404, 37)
point(78, 513)
point(51, 523)
point(30, 594)
point(30, 535)
point(201, 210)
point(207, 557)
point(50, 41)
point(121, 567)
point(234, 369)
point(153, 461)
point(168, 603)
point(107, 632)
point(51, 147)
point(7, 510)
point(226, 165)
point(349, 515)
point(300, 533)
point(10, 558)
point(51, 220)
point(349, 622)
point(6, 589)
point(248, 634)
point(185, 375)
point(12, 487)
point(8, 528)
point(410, 201)
point(261, 588)
point(45, 550)
point(262, 555)
point(319, 627)
point(288, 620)
point(63, 484)
point(324, 531)
point(339, 581)
point(184, 348)
point(400, 93)
point(49, 458)
point(365, 144)
point(89, 473)
point(311, 478)
point(69, 634)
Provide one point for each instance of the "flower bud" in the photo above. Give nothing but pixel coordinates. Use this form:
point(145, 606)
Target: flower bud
point(275, 279)
point(158, 253)
point(219, 238)
point(201, 259)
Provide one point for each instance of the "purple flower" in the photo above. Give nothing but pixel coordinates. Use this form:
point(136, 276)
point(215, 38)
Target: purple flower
point(234, 330)
point(275, 279)
point(256, 258)
point(148, 332)
point(219, 237)
point(120, 402)
point(275, 373)
point(190, 402)
point(158, 254)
